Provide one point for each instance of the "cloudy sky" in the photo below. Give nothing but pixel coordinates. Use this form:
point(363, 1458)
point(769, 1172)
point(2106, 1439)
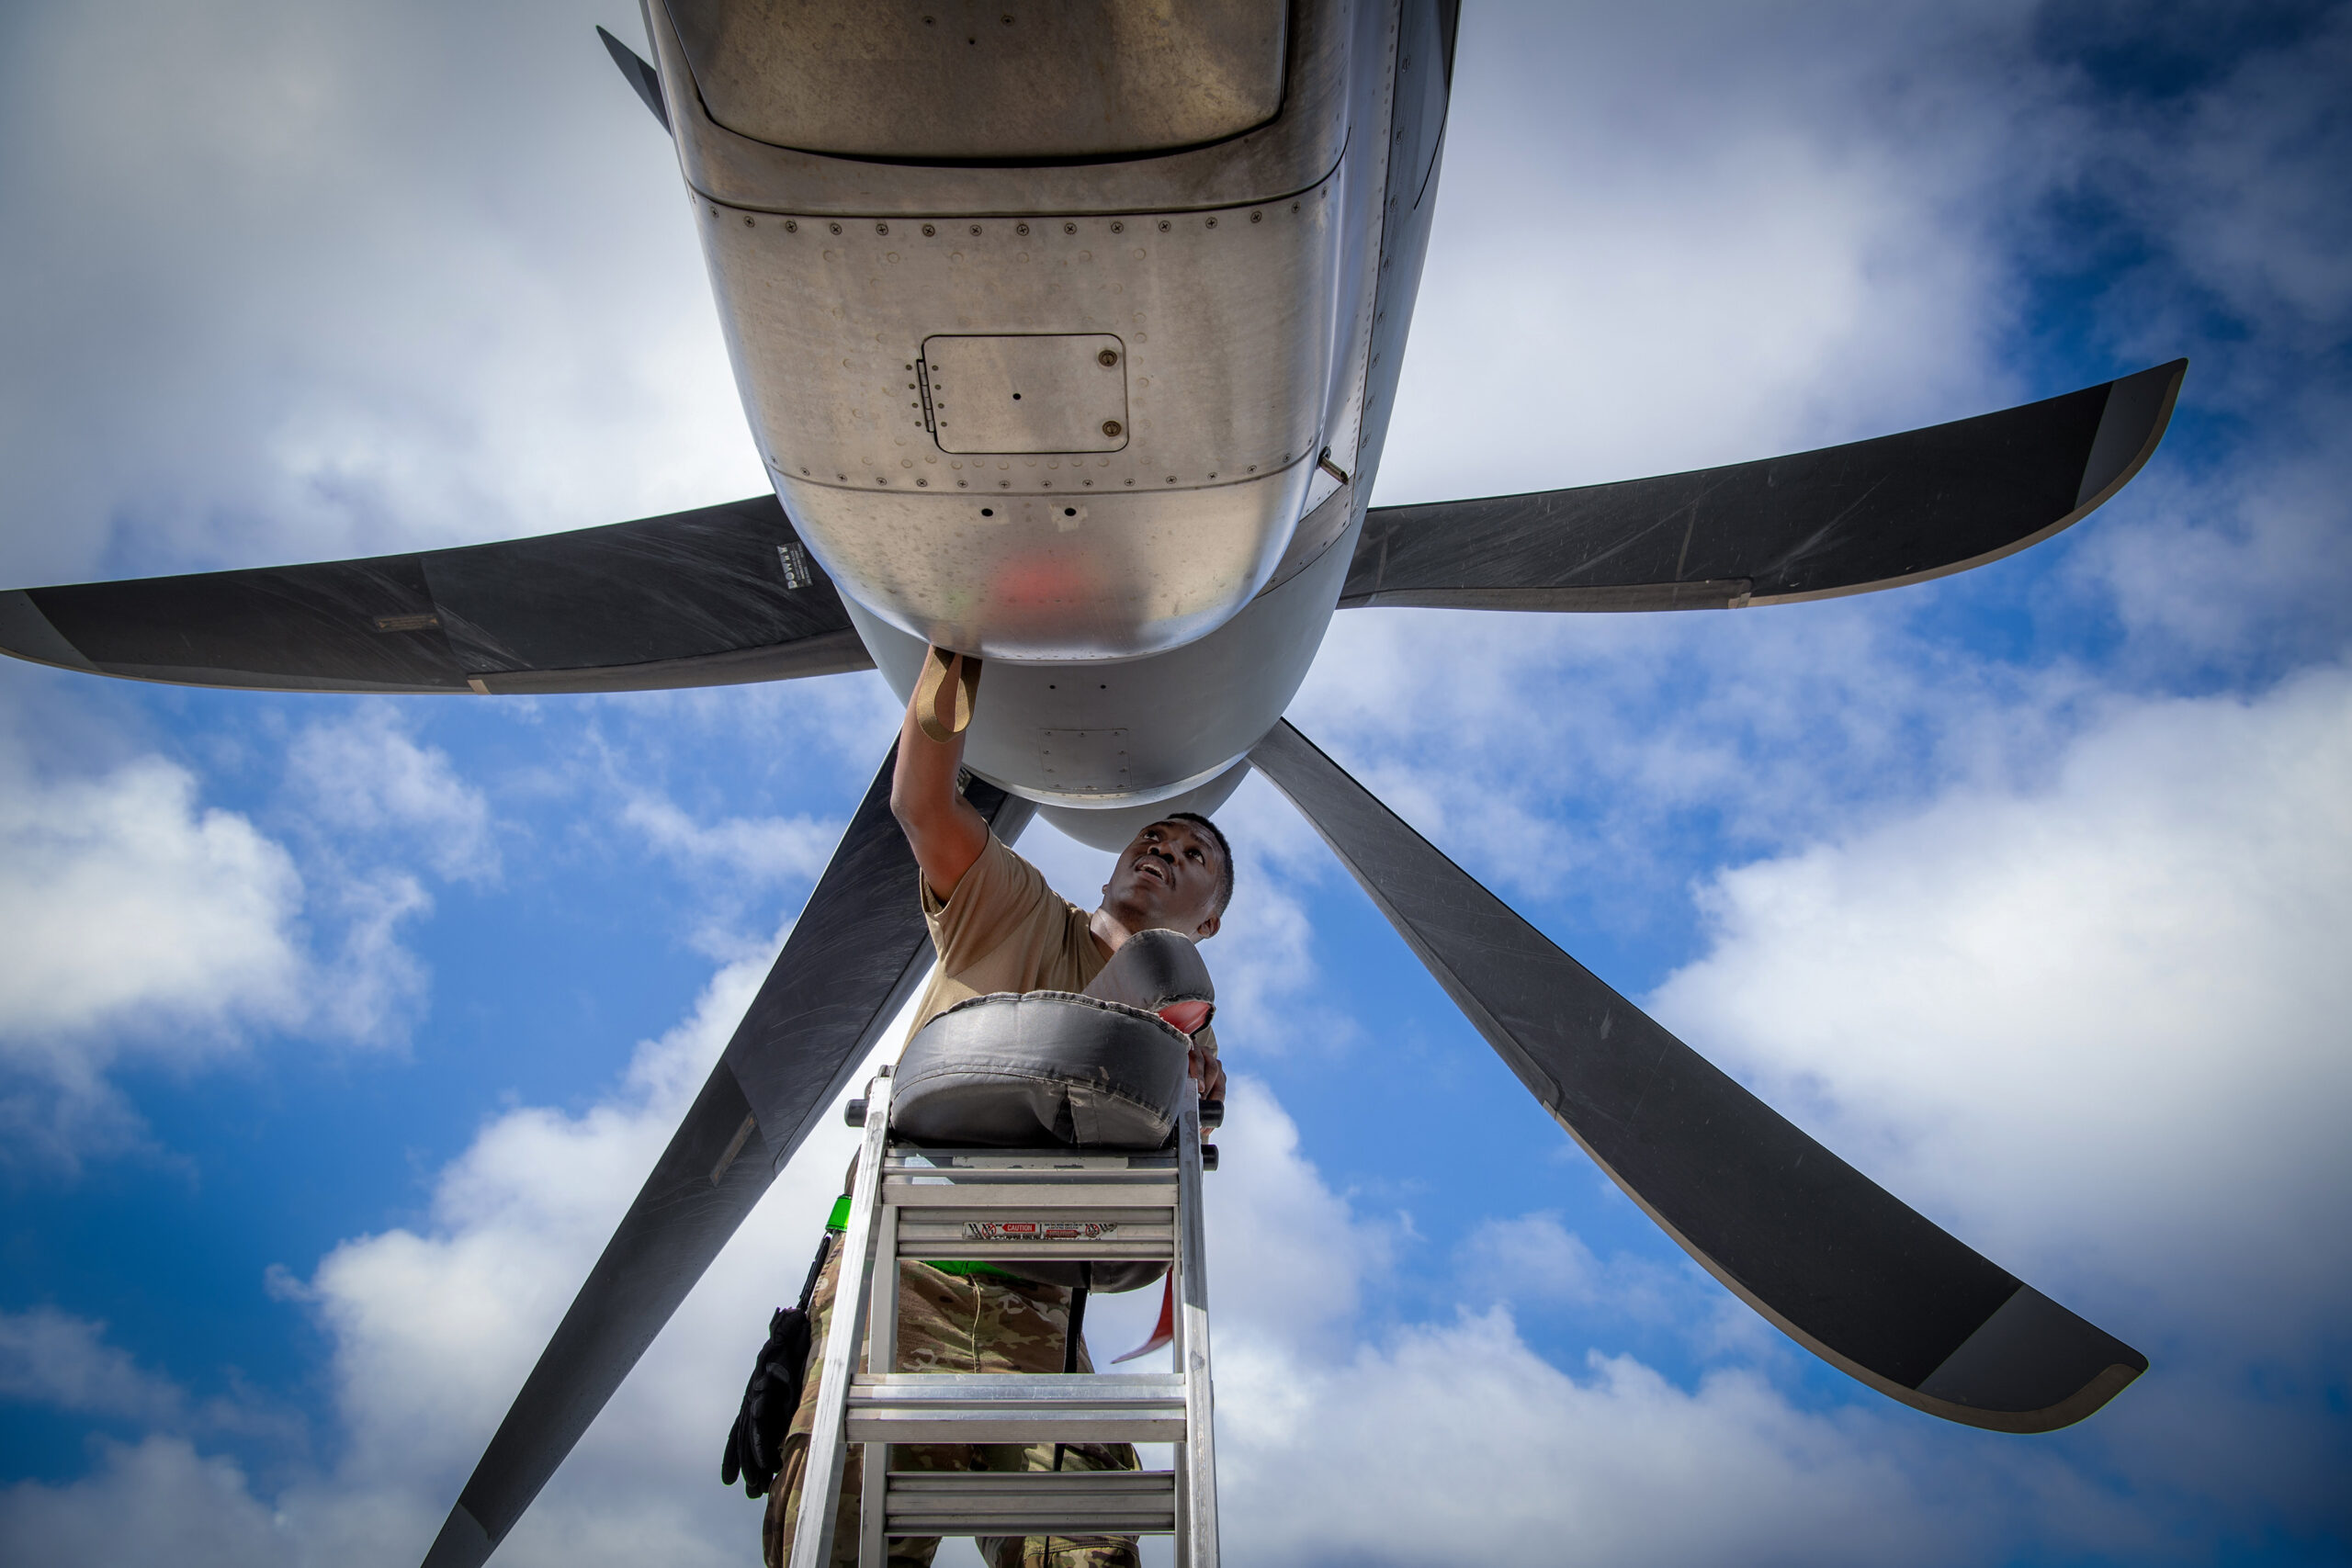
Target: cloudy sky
point(335, 1033)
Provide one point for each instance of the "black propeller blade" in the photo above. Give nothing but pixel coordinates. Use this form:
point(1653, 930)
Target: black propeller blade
point(640, 73)
point(703, 598)
point(1816, 525)
point(1830, 1256)
point(853, 959)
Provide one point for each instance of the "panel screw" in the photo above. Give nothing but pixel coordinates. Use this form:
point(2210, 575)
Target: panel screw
point(1163, 225)
point(928, 231)
point(834, 227)
point(976, 230)
point(1069, 228)
point(791, 226)
point(881, 227)
point(1118, 227)
point(1212, 222)
point(1257, 218)
point(1108, 357)
point(747, 222)
point(1020, 227)
point(1112, 427)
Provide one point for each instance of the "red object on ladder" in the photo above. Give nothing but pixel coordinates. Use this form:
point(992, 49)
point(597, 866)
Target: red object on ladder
point(1165, 1334)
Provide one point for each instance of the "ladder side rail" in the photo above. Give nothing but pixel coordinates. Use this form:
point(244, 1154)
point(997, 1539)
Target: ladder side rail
point(820, 1485)
point(881, 1355)
point(1196, 1542)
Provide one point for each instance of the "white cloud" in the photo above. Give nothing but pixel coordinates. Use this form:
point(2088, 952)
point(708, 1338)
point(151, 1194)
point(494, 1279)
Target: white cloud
point(363, 333)
point(1628, 280)
point(1533, 1259)
point(127, 900)
point(54, 1359)
point(48, 1357)
point(1287, 1256)
point(2242, 185)
point(147, 925)
point(365, 774)
point(758, 850)
point(1591, 757)
point(157, 1500)
point(1456, 1444)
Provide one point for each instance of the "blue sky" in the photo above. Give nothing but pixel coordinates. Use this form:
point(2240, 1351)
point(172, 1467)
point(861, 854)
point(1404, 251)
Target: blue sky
point(335, 1033)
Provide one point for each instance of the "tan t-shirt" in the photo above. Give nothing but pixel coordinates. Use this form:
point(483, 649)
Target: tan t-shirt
point(1006, 930)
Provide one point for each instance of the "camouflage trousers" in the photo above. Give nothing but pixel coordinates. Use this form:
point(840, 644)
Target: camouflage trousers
point(950, 1322)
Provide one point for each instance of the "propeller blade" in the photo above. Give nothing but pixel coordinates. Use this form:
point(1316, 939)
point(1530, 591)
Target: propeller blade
point(1830, 1258)
point(1816, 525)
point(642, 76)
point(703, 598)
point(854, 957)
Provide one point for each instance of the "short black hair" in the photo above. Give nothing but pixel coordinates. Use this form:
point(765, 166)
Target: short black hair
point(1224, 876)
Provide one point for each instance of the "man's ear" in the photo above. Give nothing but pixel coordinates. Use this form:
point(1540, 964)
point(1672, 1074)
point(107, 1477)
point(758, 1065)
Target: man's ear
point(1208, 928)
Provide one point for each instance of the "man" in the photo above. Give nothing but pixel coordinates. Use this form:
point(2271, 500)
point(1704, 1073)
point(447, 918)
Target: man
point(998, 927)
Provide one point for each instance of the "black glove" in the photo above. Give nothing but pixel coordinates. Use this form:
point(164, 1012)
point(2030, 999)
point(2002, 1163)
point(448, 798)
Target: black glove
point(755, 1443)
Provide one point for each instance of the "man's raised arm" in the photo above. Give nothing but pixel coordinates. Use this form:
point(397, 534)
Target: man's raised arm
point(946, 833)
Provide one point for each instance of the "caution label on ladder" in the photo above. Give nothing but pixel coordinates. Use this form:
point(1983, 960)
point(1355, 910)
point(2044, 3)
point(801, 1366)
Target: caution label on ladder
point(1018, 1230)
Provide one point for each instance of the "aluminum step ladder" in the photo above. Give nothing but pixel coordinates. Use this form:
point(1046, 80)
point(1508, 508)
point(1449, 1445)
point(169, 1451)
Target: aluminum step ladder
point(1005, 1206)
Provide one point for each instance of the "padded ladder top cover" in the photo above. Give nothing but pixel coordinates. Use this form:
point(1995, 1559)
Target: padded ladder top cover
point(1159, 972)
point(1099, 1070)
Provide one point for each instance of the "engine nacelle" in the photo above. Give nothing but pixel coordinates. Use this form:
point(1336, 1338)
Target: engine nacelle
point(1038, 413)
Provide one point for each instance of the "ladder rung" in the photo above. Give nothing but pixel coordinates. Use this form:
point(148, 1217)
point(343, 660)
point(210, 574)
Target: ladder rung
point(1159, 1195)
point(965, 1407)
point(1041, 1502)
point(1050, 1161)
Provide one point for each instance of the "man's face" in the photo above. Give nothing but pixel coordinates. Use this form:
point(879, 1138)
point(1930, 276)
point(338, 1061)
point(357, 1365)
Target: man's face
point(1168, 879)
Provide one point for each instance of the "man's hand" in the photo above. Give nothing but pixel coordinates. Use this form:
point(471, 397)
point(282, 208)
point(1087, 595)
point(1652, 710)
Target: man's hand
point(946, 834)
point(1208, 1072)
